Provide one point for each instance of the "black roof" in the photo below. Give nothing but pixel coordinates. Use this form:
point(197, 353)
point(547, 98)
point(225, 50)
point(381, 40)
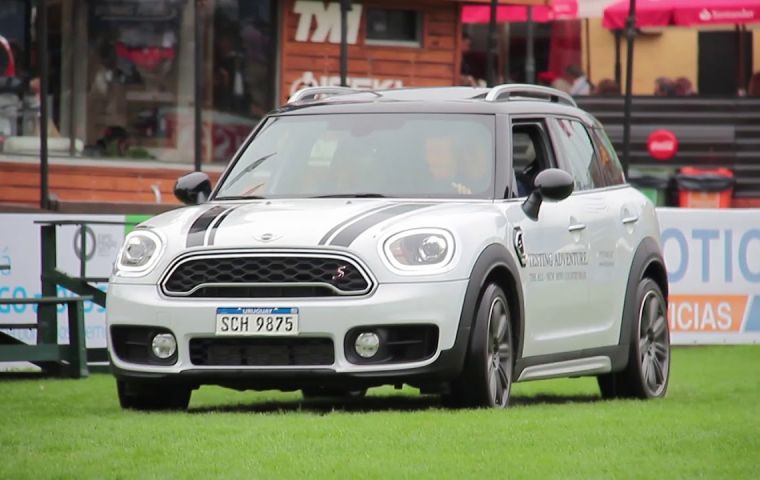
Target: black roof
point(469, 100)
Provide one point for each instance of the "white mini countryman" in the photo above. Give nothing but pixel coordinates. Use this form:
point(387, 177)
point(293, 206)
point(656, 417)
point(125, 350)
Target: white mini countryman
point(452, 239)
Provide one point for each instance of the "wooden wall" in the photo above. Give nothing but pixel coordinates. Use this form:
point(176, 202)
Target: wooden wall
point(436, 63)
point(20, 183)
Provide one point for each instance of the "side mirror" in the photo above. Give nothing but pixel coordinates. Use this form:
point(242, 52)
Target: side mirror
point(193, 188)
point(552, 184)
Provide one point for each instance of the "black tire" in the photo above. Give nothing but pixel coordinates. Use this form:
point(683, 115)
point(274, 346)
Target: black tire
point(141, 396)
point(648, 370)
point(326, 392)
point(486, 379)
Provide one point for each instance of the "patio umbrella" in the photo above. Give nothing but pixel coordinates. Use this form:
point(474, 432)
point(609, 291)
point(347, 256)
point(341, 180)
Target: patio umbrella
point(630, 14)
point(554, 10)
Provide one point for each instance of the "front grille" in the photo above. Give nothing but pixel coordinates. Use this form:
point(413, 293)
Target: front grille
point(262, 352)
point(266, 275)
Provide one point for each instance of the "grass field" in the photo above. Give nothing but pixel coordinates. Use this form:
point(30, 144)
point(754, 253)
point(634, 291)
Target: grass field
point(708, 426)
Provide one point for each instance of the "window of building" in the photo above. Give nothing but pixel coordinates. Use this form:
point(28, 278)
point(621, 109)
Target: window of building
point(394, 27)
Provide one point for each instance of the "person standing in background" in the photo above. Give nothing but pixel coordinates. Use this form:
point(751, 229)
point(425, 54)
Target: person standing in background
point(579, 84)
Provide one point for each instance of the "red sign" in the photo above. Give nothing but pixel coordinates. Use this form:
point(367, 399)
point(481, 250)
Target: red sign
point(662, 144)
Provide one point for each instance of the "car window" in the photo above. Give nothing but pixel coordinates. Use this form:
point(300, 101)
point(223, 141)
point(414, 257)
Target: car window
point(609, 168)
point(575, 148)
point(531, 153)
point(401, 155)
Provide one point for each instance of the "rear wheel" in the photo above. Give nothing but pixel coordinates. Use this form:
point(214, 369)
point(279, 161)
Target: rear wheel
point(142, 396)
point(648, 369)
point(486, 379)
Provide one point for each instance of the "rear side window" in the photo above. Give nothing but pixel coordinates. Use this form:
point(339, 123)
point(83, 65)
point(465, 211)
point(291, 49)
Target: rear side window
point(610, 171)
point(575, 149)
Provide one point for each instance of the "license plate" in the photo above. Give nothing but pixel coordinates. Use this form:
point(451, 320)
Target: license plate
point(257, 321)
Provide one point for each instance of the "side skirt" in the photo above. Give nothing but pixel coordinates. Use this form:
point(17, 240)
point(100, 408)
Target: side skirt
point(592, 361)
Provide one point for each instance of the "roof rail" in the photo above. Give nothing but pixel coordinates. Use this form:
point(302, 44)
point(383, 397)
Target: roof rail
point(531, 91)
point(311, 93)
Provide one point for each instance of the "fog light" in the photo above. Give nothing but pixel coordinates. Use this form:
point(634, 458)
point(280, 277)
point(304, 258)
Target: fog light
point(164, 345)
point(367, 344)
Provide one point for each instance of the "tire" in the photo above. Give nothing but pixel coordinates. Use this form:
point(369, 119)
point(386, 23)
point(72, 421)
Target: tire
point(648, 370)
point(486, 379)
point(141, 396)
point(325, 392)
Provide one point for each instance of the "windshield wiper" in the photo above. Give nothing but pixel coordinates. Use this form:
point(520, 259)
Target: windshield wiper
point(352, 195)
point(241, 197)
point(247, 169)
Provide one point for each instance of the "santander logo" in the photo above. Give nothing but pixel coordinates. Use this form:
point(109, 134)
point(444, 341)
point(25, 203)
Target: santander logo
point(714, 15)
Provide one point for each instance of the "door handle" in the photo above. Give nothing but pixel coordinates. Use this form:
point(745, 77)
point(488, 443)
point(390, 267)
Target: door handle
point(630, 219)
point(576, 227)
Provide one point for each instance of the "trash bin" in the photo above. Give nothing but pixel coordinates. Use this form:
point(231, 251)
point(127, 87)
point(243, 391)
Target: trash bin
point(705, 188)
point(653, 183)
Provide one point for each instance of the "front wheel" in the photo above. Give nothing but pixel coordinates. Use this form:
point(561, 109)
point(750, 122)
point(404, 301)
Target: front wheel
point(648, 369)
point(486, 379)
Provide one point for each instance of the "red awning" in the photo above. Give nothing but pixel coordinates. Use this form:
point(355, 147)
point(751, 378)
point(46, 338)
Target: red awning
point(557, 10)
point(661, 13)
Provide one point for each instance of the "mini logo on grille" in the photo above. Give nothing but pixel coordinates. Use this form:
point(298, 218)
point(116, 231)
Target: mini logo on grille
point(266, 237)
point(340, 273)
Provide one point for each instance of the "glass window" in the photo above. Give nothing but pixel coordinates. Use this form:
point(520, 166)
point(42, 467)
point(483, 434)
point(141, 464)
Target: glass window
point(400, 155)
point(141, 77)
point(139, 93)
point(574, 147)
point(610, 172)
point(394, 26)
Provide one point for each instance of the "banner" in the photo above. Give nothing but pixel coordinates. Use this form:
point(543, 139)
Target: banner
point(20, 252)
point(713, 262)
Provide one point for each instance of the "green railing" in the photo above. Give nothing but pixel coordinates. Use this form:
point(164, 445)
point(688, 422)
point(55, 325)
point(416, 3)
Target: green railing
point(47, 353)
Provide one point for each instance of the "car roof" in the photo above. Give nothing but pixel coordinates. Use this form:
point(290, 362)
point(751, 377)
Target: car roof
point(462, 100)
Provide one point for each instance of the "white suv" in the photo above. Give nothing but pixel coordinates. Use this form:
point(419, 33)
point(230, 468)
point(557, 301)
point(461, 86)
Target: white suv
point(453, 239)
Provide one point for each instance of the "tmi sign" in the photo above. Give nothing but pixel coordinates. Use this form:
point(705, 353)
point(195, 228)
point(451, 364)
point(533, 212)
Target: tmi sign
point(327, 18)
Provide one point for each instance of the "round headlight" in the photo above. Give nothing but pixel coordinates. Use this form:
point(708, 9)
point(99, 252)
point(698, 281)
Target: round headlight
point(432, 249)
point(420, 250)
point(164, 345)
point(140, 251)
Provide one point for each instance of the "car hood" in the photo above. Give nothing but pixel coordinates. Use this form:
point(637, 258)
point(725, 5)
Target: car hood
point(285, 223)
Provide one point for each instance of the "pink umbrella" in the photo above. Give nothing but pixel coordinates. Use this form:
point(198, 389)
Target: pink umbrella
point(660, 13)
point(557, 10)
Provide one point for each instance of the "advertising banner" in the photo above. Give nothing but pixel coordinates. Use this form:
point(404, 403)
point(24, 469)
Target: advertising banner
point(713, 262)
point(20, 253)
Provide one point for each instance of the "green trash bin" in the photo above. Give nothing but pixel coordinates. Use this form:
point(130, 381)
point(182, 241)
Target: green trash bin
point(654, 183)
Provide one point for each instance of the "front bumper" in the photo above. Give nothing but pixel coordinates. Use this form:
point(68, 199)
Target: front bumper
point(433, 303)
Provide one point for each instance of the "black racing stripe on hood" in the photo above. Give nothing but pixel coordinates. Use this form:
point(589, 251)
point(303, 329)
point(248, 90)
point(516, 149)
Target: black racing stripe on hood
point(212, 234)
point(348, 235)
point(200, 225)
point(342, 224)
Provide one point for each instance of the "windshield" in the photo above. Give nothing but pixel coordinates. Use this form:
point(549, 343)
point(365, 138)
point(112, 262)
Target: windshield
point(389, 155)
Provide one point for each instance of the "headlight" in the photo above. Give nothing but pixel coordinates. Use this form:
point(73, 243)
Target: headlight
point(420, 250)
point(140, 252)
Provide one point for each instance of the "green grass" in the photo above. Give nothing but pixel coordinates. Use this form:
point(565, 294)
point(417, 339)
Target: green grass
point(708, 426)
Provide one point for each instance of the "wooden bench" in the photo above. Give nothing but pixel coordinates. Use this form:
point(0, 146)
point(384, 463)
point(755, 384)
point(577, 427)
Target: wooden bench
point(74, 354)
